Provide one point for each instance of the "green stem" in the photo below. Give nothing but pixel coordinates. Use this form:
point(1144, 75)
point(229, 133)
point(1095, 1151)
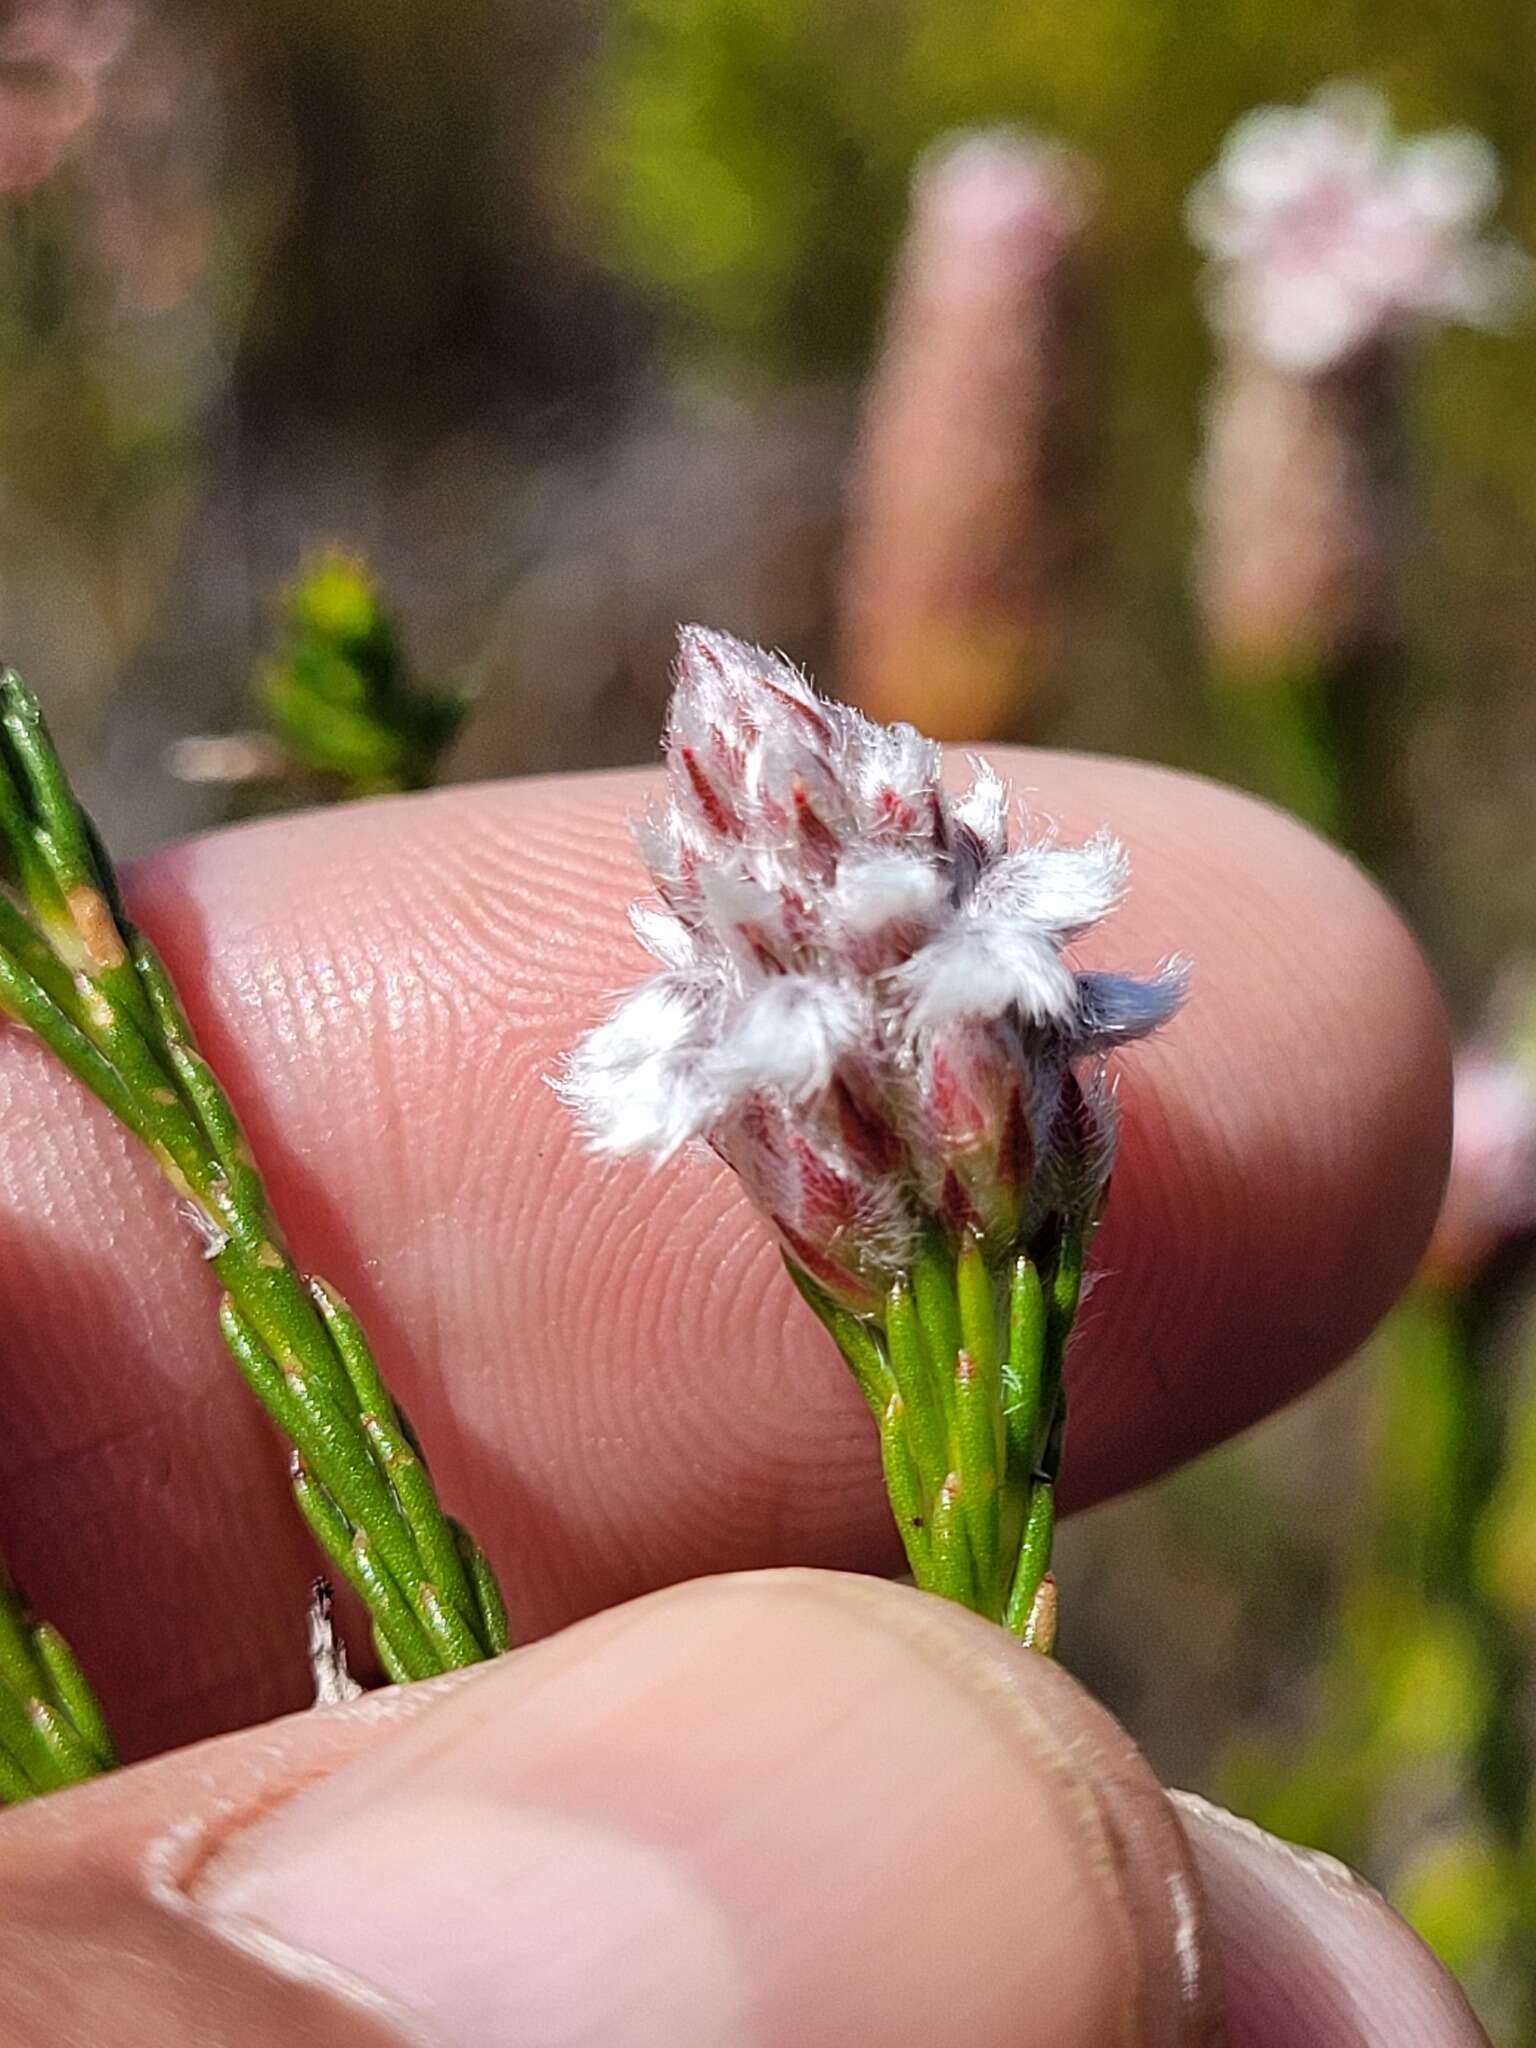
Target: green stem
point(74, 971)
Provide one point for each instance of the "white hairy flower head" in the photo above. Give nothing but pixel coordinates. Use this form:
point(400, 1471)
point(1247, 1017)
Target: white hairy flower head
point(1327, 231)
point(864, 1003)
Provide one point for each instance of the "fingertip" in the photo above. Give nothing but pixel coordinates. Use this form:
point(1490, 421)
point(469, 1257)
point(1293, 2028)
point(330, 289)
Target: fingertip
point(1310, 1955)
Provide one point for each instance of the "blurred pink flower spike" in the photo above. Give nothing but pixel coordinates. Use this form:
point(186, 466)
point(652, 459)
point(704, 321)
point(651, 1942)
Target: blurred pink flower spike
point(53, 56)
point(1328, 232)
point(958, 536)
point(865, 1008)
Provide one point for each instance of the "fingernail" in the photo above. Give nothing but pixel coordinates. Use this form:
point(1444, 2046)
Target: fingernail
point(787, 1808)
point(1310, 1953)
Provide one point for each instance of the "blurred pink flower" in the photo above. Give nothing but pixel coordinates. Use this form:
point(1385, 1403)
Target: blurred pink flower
point(1490, 1197)
point(955, 556)
point(1302, 519)
point(53, 56)
point(1327, 231)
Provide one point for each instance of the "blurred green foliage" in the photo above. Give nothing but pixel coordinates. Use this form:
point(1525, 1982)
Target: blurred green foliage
point(128, 254)
point(85, 425)
point(339, 692)
point(1416, 1764)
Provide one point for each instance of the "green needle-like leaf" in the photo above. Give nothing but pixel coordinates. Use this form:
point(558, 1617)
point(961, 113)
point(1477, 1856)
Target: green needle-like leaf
point(1026, 1364)
point(52, 1730)
point(72, 1695)
point(977, 1433)
point(915, 1382)
point(904, 1488)
point(1034, 1557)
point(489, 1604)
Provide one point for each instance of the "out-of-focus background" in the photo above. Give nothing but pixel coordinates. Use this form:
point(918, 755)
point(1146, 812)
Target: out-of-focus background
point(574, 320)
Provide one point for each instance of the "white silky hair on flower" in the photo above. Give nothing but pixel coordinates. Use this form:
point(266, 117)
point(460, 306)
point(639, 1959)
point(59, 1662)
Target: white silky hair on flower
point(1062, 890)
point(724, 672)
point(888, 757)
point(736, 905)
point(867, 1010)
point(658, 840)
point(789, 1037)
point(663, 936)
point(1076, 1185)
point(877, 888)
point(635, 1082)
point(1328, 231)
point(983, 809)
point(985, 968)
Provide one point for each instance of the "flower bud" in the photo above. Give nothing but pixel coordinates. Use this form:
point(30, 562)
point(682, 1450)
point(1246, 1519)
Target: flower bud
point(983, 1127)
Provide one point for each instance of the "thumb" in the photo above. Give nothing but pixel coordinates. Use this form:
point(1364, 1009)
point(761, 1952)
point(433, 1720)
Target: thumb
point(1311, 1957)
point(788, 1808)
